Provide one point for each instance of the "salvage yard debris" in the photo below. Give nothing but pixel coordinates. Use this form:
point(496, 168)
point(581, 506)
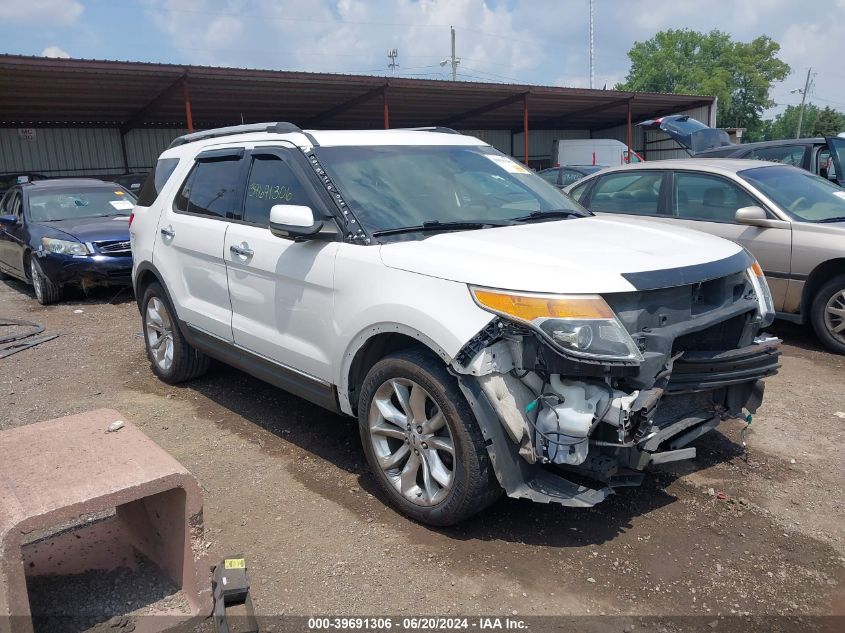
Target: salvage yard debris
point(21, 335)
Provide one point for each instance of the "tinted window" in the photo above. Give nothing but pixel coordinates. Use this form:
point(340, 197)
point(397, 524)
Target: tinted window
point(156, 180)
point(636, 193)
point(271, 182)
point(787, 154)
point(211, 189)
point(706, 197)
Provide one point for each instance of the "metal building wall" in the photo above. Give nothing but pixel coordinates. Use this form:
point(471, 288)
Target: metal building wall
point(62, 151)
point(653, 145)
point(143, 146)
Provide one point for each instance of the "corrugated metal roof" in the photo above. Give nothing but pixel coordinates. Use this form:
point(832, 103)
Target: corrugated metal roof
point(46, 91)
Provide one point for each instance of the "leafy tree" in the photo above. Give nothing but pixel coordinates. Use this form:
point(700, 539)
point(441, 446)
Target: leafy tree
point(829, 122)
point(683, 61)
point(816, 122)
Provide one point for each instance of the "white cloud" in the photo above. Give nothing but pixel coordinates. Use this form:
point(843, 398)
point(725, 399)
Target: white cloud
point(55, 51)
point(41, 11)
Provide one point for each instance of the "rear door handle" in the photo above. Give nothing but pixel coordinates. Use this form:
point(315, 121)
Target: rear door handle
point(242, 249)
point(168, 231)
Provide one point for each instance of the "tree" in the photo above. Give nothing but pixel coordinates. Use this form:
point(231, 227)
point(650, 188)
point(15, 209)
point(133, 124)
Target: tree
point(682, 61)
point(816, 122)
point(785, 124)
point(829, 122)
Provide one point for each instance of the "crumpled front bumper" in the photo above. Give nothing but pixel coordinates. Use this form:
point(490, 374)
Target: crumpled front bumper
point(705, 388)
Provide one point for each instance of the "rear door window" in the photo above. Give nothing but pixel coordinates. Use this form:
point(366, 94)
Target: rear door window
point(786, 154)
point(636, 193)
point(568, 176)
point(212, 188)
point(707, 197)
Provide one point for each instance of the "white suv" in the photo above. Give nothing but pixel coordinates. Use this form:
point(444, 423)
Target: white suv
point(488, 333)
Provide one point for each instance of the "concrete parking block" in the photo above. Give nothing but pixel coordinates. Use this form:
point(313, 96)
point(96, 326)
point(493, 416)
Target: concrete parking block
point(110, 494)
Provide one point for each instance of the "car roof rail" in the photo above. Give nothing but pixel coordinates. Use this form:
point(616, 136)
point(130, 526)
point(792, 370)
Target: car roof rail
point(432, 128)
point(279, 127)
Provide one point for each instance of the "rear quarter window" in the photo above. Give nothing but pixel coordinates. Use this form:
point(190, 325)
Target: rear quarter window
point(155, 182)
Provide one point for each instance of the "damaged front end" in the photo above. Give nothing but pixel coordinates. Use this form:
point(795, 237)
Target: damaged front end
point(576, 395)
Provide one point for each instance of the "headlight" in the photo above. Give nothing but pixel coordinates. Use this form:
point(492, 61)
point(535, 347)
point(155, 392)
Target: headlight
point(764, 295)
point(581, 325)
point(64, 247)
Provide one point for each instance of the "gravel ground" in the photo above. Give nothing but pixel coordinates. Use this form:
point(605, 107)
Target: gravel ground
point(285, 484)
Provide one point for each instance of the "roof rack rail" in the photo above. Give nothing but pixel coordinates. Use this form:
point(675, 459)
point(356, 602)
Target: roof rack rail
point(280, 127)
point(432, 128)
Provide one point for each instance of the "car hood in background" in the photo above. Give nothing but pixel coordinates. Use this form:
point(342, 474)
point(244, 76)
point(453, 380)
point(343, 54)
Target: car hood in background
point(91, 229)
point(584, 255)
point(688, 132)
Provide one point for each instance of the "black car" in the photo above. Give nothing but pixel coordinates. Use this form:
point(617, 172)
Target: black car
point(821, 156)
point(66, 231)
point(567, 174)
point(7, 181)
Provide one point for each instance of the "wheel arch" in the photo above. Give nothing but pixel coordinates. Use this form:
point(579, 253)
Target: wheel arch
point(371, 346)
point(145, 275)
point(820, 275)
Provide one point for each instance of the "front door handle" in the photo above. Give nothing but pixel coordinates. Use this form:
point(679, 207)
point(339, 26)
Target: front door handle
point(168, 232)
point(242, 249)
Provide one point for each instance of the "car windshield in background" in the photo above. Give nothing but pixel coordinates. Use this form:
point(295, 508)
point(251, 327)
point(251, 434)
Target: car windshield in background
point(66, 204)
point(800, 193)
point(392, 187)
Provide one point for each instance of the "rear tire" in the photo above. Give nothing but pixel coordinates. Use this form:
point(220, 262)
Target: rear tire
point(827, 314)
point(172, 358)
point(422, 441)
point(46, 292)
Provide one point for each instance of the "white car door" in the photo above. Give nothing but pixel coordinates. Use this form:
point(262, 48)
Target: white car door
point(281, 291)
point(190, 241)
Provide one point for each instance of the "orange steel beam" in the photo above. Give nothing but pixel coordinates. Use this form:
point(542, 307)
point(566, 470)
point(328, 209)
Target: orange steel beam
point(189, 116)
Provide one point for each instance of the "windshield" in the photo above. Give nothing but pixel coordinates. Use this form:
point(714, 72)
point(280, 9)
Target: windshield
point(802, 194)
point(89, 202)
point(391, 187)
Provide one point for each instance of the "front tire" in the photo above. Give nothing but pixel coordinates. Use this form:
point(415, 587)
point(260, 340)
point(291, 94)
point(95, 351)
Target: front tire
point(172, 358)
point(828, 314)
point(46, 292)
point(422, 441)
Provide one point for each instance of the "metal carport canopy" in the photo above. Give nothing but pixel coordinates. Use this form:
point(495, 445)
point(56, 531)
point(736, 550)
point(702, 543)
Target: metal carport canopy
point(40, 91)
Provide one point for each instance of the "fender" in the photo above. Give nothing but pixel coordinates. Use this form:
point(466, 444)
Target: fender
point(361, 339)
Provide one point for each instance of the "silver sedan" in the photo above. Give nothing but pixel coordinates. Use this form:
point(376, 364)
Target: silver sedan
point(792, 221)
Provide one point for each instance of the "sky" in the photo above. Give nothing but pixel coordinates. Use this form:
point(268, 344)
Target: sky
point(512, 41)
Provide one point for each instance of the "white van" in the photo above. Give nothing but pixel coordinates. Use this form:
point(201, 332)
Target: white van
point(592, 151)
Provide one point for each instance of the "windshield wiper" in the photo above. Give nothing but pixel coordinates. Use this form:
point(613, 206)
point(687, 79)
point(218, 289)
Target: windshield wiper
point(838, 219)
point(552, 213)
point(437, 225)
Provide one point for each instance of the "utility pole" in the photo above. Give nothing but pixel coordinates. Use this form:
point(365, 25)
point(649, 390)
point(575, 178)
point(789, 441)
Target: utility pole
point(454, 60)
point(803, 102)
point(592, 50)
point(392, 54)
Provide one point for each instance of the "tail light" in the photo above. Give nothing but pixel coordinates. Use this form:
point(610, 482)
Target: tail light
point(131, 217)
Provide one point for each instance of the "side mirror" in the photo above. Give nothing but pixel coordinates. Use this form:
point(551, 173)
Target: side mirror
point(8, 219)
point(293, 221)
point(752, 216)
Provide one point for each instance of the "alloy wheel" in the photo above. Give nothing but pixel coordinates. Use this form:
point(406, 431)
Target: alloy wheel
point(412, 442)
point(159, 327)
point(834, 316)
point(35, 276)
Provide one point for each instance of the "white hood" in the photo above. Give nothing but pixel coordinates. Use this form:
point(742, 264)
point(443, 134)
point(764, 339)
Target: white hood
point(585, 255)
